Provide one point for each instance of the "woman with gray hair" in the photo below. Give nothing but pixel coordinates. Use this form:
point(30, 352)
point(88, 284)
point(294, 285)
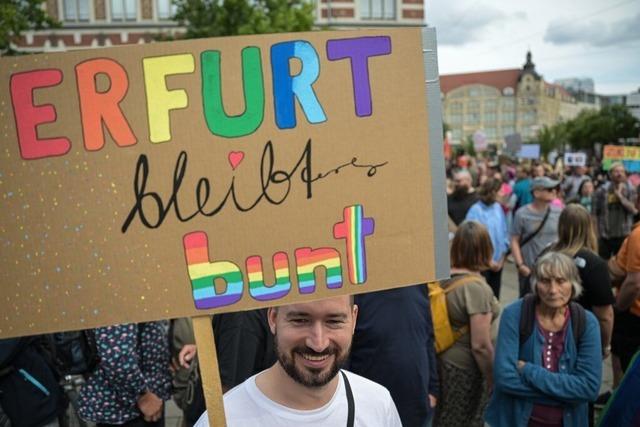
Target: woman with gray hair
point(548, 356)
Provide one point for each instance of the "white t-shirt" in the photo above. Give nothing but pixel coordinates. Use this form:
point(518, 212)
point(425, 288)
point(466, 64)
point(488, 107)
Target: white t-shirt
point(246, 406)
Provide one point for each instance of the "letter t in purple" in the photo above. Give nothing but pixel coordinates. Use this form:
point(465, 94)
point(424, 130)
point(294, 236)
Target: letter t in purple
point(359, 50)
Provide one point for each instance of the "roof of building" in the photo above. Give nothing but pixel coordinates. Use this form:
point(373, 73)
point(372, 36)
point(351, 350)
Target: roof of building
point(559, 88)
point(499, 79)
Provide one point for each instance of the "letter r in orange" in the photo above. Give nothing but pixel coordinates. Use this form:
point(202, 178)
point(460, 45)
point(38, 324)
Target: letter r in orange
point(97, 107)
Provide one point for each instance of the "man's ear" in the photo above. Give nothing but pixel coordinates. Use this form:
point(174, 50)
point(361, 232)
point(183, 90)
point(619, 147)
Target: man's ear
point(355, 318)
point(272, 314)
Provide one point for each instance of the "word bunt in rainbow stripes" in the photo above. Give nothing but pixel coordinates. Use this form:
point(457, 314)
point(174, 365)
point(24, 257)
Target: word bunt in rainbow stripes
point(204, 273)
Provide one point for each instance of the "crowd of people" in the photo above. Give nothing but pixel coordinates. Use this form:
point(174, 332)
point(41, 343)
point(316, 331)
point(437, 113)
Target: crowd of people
point(372, 359)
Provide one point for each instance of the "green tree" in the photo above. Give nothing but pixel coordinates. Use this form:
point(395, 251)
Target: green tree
point(606, 126)
point(471, 150)
point(18, 16)
point(551, 138)
point(212, 18)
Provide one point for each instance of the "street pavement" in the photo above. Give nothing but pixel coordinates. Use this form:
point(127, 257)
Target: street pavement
point(508, 293)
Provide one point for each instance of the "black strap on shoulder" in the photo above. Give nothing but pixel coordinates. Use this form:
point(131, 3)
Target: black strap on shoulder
point(578, 321)
point(527, 317)
point(350, 403)
point(537, 230)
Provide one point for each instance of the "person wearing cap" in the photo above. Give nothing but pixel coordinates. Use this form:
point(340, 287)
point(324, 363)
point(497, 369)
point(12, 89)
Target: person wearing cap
point(534, 227)
point(614, 206)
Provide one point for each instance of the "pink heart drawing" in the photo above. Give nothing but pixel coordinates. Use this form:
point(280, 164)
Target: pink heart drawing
point(235, 157)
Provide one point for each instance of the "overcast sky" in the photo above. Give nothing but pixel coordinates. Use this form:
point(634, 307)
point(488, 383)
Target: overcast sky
point(568, 38)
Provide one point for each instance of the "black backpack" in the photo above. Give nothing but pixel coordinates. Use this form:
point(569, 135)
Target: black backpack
point(528, 318)
point(30, 394)
point(75, 353)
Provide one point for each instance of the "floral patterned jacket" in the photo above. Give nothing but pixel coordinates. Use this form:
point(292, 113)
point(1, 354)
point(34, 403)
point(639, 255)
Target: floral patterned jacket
point(133, 359)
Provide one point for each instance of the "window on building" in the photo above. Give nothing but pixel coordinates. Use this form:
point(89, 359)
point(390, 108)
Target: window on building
point(475, 91)
point(490, 116)
point(76, 10)
point(377, 9)
point(124, 10)
point(455, 118)
point(508, 116)
point(456, 134)
point(490, 104)
point(455, 106)
point(490, 133)
point(473, 105)
point(529, 117)
point(508, 130)
point(166, 9)
point(472, 118)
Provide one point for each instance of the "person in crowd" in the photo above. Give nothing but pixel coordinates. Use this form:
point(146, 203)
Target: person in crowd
point(489, 212)
point(463, 196)
point(29, 391)
point(504, 194)
point(626, 328)
point(585, 195)
point(522, 187)
point(132, 379)
point(545, 374)
point(538, 170)
point(614, 206)
point(466, 367)
point(244, 347)
point(534, 227)
point(306, 386)
point(395, 329)
point(184, 376)
point(577, 239)
point(572, 183)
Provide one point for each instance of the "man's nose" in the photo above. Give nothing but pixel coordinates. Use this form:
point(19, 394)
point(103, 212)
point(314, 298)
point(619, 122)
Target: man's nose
point(317, 340)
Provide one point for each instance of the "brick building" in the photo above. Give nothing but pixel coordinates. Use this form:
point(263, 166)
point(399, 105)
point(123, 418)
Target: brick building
point(94, 23)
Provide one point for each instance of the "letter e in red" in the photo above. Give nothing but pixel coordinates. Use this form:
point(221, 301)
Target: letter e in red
point(28, 116)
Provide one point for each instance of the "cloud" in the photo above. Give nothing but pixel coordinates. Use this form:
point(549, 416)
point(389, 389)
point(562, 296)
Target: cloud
point(595, 33)
point(459, 26)
point(520, 15)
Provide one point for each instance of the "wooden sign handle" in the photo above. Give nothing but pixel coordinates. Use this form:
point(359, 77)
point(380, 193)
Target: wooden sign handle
point(209, 371)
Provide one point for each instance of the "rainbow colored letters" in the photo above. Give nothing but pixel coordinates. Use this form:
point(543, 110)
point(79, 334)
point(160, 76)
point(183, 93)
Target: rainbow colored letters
point(100, 110)
point(203, 273)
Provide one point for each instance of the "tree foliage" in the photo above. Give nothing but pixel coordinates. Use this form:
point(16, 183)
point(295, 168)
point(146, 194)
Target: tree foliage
point(606, 126)
point(18, 16)
point(552, 138)
point(212, 18)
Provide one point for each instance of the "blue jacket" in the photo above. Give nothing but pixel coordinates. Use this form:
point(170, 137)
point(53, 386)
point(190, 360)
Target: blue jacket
point(492, 217)
point(577, 383)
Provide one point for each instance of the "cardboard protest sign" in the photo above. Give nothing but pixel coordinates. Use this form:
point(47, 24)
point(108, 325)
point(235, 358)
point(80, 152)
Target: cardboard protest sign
point(529, 151)
point(575, 159)
point(627, 155)
point(193, 177)
point(513, 142)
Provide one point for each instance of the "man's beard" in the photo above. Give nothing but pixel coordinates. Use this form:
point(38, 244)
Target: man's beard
point(460, 191)
point(310, 377)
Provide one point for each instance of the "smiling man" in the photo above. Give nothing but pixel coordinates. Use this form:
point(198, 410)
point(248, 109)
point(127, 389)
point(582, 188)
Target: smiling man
point(306, 386)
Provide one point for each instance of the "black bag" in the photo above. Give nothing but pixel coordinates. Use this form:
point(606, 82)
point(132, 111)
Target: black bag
point(30, 394)
point(75, 352)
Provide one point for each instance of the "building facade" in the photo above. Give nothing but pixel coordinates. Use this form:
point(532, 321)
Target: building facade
point(96, 23)
point(504, 102)
point(577, 84)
